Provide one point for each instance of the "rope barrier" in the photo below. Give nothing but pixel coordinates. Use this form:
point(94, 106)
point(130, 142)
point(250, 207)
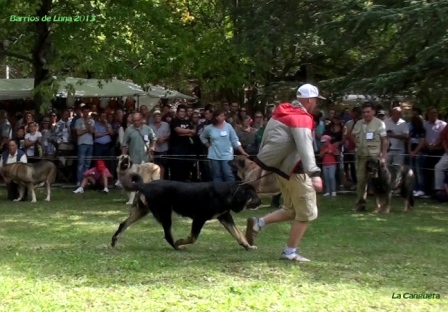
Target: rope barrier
point(197, 156)
point(202, 158)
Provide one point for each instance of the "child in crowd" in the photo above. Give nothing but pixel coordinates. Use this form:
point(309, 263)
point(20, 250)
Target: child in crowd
point(328, 154)
point(97, 176)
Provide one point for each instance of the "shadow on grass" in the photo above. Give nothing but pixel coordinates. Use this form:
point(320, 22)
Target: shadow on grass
point(68, 240)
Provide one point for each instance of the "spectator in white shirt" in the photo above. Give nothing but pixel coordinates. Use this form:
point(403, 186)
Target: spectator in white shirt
point(398, 132)
point(11, 156)
point(33, 141)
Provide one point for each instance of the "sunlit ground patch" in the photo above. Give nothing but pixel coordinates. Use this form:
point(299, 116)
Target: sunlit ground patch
point(57, 257)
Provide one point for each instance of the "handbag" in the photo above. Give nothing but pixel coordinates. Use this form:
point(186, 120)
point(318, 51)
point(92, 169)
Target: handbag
point(144, 142)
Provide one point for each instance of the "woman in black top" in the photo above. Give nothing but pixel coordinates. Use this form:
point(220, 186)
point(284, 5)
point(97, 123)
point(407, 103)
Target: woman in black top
point(336, 131)
point(415, 145)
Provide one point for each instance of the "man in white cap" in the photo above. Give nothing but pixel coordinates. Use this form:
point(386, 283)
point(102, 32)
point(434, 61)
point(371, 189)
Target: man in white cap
point(287, 150)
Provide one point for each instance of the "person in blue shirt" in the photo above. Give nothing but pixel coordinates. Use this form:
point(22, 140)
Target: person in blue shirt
point(102, 148)
point(220, 139)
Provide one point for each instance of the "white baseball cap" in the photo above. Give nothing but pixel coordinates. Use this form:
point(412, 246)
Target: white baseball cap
point(308, 91)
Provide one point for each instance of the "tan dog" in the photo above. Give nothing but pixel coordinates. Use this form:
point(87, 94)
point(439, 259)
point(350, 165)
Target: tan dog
point(29, 176)
point(148, 171)
point(265, 183)
point(248, 170)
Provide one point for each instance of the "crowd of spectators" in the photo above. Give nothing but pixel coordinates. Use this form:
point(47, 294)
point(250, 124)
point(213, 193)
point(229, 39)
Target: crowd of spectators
point(196, 144)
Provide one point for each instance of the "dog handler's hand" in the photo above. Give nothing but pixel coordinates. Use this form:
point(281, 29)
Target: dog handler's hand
point(317, 184)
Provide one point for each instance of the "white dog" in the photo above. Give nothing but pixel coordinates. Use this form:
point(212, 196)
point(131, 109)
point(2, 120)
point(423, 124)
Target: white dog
point(148, 171)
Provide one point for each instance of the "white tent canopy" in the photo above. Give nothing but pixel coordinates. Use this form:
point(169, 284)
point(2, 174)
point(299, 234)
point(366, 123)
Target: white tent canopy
point(163, 93)
point(148, 101)
point(357, 98)
point(11, 89)
point(99, 88)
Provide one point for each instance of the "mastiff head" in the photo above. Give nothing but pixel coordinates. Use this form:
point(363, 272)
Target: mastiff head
point(243, 167)
point(374, 166)
point(245, 196)
point(124, 162)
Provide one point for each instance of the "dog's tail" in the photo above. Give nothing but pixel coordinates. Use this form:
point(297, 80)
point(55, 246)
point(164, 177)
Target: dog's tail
point(131, 182)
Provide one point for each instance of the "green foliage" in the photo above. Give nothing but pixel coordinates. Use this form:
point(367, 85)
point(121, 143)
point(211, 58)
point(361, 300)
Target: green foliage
point(383, 47)
point(403, 46)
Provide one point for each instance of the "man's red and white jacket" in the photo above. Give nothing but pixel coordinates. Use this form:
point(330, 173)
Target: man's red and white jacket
point(287, 144)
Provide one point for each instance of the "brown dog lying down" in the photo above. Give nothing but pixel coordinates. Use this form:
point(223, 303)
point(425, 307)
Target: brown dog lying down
point(264, 183)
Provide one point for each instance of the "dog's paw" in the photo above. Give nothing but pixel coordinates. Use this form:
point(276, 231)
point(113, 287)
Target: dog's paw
point(179, 242)
point(248, 247)
point(128, 203)
point(16, 200)
point(34, 201)
point(47, 199)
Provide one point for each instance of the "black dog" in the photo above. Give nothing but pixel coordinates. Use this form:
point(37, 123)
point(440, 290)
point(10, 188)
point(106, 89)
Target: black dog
point(198, 201)
point(385, 179)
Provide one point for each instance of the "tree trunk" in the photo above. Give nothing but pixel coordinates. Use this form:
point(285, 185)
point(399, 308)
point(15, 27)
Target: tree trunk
point(41, 54)
point(310, 77)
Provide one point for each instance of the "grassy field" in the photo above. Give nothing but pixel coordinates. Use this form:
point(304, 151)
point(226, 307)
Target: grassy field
point(56, 257)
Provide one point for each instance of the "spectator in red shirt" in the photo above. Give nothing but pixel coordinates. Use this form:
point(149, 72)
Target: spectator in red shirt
point(97, 176)
point(328, 152)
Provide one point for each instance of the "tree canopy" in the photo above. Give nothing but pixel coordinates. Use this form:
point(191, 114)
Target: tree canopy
point(380, 47)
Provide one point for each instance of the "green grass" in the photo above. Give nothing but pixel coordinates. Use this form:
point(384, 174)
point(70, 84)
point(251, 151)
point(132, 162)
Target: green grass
point(56, 257)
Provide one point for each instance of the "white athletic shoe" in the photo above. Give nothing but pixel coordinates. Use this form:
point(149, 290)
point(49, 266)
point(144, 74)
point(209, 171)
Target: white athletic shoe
point(418, 193)
point(79, 190)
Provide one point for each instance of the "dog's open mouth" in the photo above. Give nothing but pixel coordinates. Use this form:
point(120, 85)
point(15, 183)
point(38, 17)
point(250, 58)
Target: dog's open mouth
point(253, 203)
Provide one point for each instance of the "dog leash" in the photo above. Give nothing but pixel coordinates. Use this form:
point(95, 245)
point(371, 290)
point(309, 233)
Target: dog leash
point(239, 184)
point(260, 177)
